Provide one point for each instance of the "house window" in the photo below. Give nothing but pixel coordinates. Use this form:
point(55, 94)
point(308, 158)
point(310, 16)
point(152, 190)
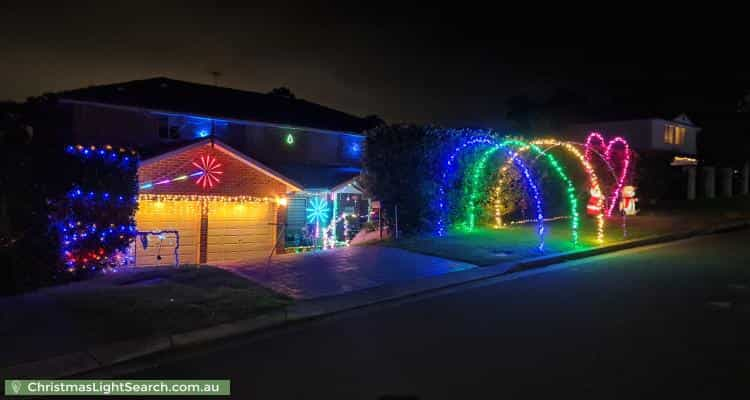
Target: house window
point(168, 132)
point(674, 134)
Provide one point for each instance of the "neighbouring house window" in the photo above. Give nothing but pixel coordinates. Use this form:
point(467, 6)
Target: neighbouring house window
point(674, 134)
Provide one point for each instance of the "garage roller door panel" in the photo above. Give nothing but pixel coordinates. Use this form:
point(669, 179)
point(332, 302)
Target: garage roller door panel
point(239, 232)
point(183, 216)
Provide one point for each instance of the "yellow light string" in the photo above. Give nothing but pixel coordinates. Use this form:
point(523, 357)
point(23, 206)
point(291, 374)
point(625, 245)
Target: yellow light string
point(593, 179)
point(200, 197)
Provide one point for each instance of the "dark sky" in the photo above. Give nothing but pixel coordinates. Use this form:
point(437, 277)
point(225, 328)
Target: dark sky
point(403, 63)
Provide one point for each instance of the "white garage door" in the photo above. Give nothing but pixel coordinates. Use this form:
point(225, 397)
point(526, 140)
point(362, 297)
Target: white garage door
point(181, 215)
point(240, 231)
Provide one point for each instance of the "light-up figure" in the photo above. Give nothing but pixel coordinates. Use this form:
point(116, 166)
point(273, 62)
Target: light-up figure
point(628, 200)
point(594, 207)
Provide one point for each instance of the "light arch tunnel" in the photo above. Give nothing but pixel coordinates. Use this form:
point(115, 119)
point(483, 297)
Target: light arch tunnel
point(489, 146)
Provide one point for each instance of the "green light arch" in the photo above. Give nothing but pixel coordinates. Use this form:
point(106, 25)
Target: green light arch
point(475, 186)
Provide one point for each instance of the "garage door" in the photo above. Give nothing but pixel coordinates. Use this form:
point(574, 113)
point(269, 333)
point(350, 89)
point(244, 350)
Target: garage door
point(240, 231)
point(180, 215)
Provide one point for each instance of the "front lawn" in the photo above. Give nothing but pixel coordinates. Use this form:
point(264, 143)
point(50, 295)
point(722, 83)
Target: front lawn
point(162, 300)
point(492, 246)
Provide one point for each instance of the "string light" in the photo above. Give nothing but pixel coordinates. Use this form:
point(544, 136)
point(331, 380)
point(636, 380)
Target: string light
point(317, 212)
point(589, 146)
point(210, 170)
point(449, 168)
point(536, 196)
point(619, 178)
point(106, 152)
point(593, 179)
point(150, 185)
point(77, 237)
point(623, 173)
point(570, 189)
point(203, 197)
point(208, 173)
point(483, 139)
point(530, 220)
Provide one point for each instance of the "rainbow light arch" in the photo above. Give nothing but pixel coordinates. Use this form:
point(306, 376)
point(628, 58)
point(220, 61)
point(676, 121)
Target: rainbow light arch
point(478, 167)
point(590, 172)
point(448, 169)
point(474, 171)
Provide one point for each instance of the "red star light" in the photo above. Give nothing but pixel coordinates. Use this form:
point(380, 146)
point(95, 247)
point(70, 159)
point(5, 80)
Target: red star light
point(210, 171)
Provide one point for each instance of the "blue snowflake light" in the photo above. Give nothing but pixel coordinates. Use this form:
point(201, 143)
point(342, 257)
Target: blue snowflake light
point(317, 212)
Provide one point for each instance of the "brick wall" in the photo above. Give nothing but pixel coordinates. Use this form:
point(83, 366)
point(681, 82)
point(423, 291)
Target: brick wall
point(238, 179)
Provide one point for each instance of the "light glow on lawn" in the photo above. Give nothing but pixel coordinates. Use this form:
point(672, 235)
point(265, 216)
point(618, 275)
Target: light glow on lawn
point(479, 146)
point(475, 188)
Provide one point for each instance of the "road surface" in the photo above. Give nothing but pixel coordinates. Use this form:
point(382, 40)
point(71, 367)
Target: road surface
point(668, 320)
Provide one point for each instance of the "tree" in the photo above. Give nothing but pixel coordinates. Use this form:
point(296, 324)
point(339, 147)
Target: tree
point(282, 92)
point(396, 171)
point(507, 196)
point(374, 121)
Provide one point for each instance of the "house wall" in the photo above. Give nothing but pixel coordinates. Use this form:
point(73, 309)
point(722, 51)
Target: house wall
point(238, 179)
point(270, 145)
point(657, 139)
point(642, 134)
point(638, 133)
point(211, 230)
point(95, 124)
point(118, 127)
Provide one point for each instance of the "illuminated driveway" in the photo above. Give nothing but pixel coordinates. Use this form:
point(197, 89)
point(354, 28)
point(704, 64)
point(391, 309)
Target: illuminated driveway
point(325, 273)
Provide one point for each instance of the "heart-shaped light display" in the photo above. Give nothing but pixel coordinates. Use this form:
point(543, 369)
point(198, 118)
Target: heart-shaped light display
point(595, 142)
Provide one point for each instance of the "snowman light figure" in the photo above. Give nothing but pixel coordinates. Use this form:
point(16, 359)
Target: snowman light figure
point(628, 200)
point(594, 206)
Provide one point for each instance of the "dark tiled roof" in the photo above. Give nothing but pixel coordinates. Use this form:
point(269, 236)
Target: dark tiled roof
point(166, 94)
point(624, 115)
point(316, 176)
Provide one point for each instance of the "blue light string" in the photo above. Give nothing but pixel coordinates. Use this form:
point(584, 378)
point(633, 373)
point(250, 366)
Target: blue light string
point(536, 196)
point(448, 171)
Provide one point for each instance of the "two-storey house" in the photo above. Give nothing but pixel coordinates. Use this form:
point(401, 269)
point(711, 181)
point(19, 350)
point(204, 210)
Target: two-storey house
point(236, 173)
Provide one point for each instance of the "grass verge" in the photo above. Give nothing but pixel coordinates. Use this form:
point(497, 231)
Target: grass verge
point(163, 300)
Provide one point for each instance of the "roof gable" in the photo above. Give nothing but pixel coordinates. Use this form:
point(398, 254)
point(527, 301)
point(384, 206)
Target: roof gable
point(235, 174)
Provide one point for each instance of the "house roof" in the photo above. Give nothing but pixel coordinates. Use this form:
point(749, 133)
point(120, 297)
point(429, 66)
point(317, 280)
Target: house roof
point(609, 116)
point(170, 95)
point(321, 177)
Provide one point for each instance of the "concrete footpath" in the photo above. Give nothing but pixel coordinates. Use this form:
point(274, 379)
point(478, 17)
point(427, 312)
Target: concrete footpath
point(114, 353)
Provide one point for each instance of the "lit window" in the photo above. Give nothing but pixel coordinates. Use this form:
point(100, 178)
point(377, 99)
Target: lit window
point(674, 134)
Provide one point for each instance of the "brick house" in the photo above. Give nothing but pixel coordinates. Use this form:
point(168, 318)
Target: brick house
point(276, 155)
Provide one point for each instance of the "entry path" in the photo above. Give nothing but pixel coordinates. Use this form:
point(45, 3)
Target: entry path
point(326, 273)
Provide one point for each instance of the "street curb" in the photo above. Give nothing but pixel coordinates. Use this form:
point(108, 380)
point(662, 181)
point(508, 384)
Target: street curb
point(226, 330)
point(113, 353)
point(629, 244)
point(63, 365)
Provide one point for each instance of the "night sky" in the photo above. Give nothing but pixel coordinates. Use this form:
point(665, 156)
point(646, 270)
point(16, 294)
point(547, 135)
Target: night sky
point(441, 65)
